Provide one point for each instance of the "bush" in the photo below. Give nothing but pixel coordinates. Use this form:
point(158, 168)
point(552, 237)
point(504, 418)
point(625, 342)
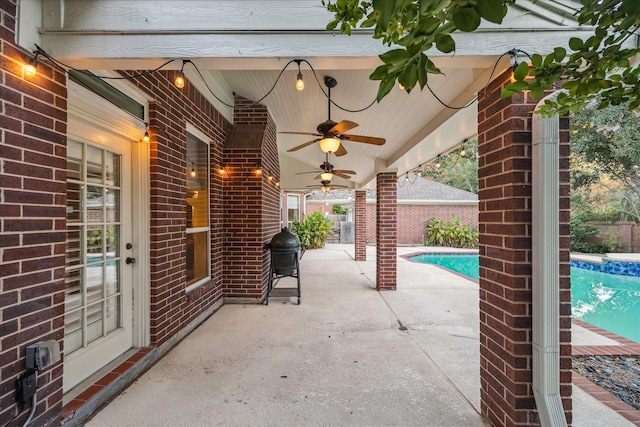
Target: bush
point(452, 234)
point(338, 210)
point(314, 231)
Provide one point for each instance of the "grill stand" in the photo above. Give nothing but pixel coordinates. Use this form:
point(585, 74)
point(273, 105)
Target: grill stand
point(283, 264)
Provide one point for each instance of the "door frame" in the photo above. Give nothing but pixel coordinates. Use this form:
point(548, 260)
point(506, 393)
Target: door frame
point(89, 109)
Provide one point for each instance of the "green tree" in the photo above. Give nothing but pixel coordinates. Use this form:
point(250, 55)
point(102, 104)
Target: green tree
point(457, 168)
point(596, 68)
point(605, 151)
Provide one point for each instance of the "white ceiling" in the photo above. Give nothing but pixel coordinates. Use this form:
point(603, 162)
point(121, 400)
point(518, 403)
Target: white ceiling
point(241, 47)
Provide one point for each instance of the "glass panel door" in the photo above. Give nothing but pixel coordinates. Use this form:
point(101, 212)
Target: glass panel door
point(96, 289)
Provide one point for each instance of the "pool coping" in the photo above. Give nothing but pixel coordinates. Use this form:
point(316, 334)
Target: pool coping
point(625, 347)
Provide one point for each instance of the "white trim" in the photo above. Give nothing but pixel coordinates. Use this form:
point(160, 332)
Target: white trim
point(546, 265)
point(140, 187)
point(195, 230)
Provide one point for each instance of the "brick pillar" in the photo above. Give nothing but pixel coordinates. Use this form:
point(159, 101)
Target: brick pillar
point(361, 225)
point(386, 235)
point(252, 202)
point(505, 214)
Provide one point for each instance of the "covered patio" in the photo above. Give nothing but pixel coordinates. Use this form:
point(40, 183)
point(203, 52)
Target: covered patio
point(348, 355)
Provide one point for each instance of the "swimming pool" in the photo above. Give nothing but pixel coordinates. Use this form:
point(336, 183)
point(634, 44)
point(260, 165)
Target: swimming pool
point(608, 301)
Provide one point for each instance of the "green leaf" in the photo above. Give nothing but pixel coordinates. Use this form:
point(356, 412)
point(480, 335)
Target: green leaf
point(384, 88)
point(445, 43)
point(394, 56)
point(380, 73)
point(332, 25)
point(409, 77)
point(559, 53)
point(536, 60)
point(521, 71)
point(575, 43)
point(466, 18)
point(384, 8)
point(513, 88)
point(491, 10)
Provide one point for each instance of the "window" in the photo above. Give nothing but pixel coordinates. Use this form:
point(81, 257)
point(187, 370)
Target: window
point(293, 209)
point(197, 198)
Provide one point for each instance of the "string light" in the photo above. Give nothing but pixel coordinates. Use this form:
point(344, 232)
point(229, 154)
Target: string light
point(299, 79)
point(463, 152)
point(193, 170)
point(438, 164)
point(146, 138)
point(31, 68)
point(180, 79)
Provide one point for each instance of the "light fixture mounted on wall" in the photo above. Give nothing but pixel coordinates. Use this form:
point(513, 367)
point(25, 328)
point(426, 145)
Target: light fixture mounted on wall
point(299, 79)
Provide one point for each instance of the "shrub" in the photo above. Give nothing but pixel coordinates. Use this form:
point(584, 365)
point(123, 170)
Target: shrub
point(452, 234)
point(338, 210)
point(313, 231)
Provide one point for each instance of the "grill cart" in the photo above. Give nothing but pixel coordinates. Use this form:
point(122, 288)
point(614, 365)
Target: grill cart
point(285, 259)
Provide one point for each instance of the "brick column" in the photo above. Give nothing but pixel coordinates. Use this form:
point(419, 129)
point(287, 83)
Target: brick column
point(361, 225)
point(505, 214)
point(386, 234)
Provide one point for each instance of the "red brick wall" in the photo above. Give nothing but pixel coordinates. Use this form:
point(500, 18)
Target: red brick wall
point(252, 206)
point(412, 220)
point(386, 227)
point(33, 126)
point(504, 137)
point(171, 308)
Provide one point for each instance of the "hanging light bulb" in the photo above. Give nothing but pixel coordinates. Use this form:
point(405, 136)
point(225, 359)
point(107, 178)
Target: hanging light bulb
point(193, 170)
point(463, 152)
point(438, 164)
point(31, 68)
point(180, 79)
point(221, 170)
point(406, 177)
point(258, 169)
point(146, 138)
point(299, 79)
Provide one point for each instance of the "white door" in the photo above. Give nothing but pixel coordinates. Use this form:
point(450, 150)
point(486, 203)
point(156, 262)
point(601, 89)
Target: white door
point(99, 264)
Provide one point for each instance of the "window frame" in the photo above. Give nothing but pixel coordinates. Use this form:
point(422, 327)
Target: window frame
point(202, 138)
point(290, 222)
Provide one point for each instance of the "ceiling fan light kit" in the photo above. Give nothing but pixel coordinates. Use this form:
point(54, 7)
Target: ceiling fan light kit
point(330, 144)
point(330, 134)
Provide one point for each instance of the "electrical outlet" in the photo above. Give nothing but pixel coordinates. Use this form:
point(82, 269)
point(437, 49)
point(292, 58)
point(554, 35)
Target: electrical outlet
point(26, 387)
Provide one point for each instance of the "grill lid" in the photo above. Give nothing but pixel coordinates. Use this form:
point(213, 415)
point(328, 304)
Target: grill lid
point(285, 241)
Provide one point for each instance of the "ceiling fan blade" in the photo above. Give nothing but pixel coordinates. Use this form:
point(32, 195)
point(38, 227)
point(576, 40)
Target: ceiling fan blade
point(302, 133)
point(341, 151)
point(306, 144)
point(303, 173)
point(366, 139)
point(344, 171)
point(343, 126)
point(342, 175)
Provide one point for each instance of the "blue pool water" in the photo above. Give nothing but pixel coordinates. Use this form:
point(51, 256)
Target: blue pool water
point(608, 301)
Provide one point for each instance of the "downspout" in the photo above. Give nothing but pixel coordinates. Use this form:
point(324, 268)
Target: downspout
point(546, 266)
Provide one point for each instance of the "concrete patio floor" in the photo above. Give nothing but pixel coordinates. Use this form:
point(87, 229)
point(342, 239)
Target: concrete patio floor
point(348, 355)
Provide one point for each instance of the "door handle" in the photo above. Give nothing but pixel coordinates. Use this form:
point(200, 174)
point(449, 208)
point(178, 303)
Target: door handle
point(130, 260)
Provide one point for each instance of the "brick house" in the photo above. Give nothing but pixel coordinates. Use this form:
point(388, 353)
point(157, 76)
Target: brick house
point(419, 200)
point(192, 209)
